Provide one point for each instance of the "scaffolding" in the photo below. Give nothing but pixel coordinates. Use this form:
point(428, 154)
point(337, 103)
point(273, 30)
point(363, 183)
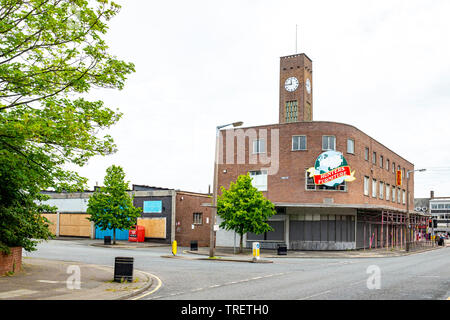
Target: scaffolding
point(388, 229)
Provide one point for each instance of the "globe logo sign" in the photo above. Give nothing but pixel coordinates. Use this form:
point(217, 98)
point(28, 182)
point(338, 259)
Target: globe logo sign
point(331, 169)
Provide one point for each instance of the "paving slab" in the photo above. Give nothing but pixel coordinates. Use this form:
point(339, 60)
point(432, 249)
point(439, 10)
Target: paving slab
point(42, 279)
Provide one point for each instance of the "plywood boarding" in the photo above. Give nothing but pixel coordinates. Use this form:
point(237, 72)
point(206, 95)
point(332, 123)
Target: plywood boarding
point(74, 225)
point(154, 227)
point(52, 217)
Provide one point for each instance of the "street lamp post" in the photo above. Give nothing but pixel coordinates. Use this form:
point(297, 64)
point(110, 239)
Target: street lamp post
point(214, 204)
point(408, 234)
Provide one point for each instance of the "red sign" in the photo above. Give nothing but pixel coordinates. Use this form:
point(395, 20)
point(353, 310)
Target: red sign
point(332, 175)
point(399, 177)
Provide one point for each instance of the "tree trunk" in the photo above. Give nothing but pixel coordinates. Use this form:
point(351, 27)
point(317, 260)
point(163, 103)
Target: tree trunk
point(114, 236)
point(241, 243)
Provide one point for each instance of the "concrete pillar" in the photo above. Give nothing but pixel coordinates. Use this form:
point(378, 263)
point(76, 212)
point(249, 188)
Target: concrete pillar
point(286, 231)
point(92, 230)
point(57, 224)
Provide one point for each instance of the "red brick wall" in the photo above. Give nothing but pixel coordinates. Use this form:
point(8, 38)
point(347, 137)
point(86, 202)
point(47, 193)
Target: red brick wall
point(186, 205)
point(11, 262)
point(292, 164)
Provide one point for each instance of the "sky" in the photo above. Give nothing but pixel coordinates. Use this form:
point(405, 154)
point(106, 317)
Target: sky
point(382, 66)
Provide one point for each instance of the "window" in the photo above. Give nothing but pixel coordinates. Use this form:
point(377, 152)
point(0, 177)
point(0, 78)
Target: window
point(328, 143)
point(404, 196)
point(393, 194)
point(381, 162)
point(366, 186)
point(374, 188)
point(387, 164)
point(388, 191)
point(393, 167)
point(403, 173)
point(374, 157)
point(198, 218)
point(310, 185)
point(259, 179)
point(291, 111)
point(398, 195)
point(298, 143)
point(350, 146)
point(259, 146)
point(381, 190)
point(366, 154)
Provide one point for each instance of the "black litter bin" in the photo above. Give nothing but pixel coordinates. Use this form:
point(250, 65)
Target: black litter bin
point(194, 245)
point(282, 250)
point(123, 269)
point(107, 240)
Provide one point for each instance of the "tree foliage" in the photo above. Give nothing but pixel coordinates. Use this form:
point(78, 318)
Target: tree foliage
point(52, 52)
point(110, 207)
point(244, 209)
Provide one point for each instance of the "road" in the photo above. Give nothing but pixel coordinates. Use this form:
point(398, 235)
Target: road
point(418, 276)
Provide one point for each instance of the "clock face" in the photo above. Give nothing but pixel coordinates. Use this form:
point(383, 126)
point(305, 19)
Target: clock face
point(308, 86)
point(291, 84)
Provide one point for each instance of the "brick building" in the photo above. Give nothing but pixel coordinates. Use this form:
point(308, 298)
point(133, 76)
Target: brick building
point(168, 215)
point(367, 209)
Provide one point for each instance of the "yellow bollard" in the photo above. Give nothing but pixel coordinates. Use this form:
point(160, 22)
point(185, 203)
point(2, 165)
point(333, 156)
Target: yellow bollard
point(174, 247)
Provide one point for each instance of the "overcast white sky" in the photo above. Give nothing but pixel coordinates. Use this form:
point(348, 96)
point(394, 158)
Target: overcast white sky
point(382, 66)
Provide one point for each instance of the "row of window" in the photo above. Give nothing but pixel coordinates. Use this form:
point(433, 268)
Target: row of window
point(382, 162)
point(441, 206)
point(299, 143)
point(383, 190)
point(259, 181)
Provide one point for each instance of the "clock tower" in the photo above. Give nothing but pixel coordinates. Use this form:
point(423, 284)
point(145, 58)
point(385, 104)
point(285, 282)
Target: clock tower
point(295, 89)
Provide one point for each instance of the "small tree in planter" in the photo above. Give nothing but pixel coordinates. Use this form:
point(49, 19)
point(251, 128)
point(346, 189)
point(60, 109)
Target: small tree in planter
point(110, 207)
point(244, 209)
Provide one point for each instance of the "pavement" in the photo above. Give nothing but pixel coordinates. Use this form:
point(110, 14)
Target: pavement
point(230, 254)
point(42, 279)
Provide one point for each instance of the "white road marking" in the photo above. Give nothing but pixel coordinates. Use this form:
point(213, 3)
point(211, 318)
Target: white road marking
point(150, 292)
point(16, 293)
point(315, 295)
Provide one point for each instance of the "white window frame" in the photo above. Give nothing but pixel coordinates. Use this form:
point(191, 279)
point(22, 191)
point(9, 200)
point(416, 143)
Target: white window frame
point(381, 193)
point(328, 142)
point(257, 183)
point(399, 195)
point(404, 196)
point(352, 151)
point(374, 188)
point(366, 185)
point(258, 145)
point(197, 221)
point(393, 193)
point(388, 192)
point(299, 144)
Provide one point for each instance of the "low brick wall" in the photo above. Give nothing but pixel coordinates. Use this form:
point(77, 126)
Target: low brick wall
point(11, 262)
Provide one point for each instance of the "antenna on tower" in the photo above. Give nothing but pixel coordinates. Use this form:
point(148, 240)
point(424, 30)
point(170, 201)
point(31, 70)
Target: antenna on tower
point(296, 51)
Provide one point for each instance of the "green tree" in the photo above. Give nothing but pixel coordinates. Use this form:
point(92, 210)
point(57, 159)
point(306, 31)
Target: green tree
point(110, 207)
point(244, 209)
point(52, 52)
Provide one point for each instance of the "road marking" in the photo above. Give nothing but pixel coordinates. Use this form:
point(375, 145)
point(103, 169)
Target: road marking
point(154, 290)
point(315, 295)
point(16, 293)
point(52, 281)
